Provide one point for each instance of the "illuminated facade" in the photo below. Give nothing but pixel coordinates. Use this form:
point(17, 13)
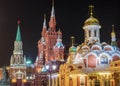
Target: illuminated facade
point(50, 46)
point(92, 63)
point(18, 60)
point(88, 63)
point(50, 52)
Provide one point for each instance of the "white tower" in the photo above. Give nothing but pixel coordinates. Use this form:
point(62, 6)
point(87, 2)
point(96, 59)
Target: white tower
point(91, 28)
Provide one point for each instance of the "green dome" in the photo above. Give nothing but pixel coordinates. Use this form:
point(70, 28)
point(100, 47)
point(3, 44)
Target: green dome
point(72, 49)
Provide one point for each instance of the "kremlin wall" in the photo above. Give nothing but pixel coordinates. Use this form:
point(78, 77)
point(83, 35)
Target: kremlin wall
point(91, 63)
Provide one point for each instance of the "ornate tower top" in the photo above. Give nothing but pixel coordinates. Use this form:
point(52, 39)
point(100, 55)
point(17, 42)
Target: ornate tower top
point(44, 26)
point(113, 38)
point(72, 48)
point(91, 10)
point(91, 27)
point(52, 22)
point(72, 40)
point(53, 10)
point(59, 43)
point(18, 35)
point(44, 23)
point(113, 31)
point(91, 20)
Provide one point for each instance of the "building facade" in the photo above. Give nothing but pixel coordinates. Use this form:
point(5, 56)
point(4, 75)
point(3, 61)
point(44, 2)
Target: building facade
point(50, 46)
point(50, 52)
point(88, 62)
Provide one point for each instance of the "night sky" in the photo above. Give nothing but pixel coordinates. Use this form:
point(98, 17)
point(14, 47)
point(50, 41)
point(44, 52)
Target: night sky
point(70, 16)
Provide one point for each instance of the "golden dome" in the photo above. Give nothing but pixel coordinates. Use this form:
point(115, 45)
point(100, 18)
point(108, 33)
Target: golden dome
point(91, 21)
point(113, 32)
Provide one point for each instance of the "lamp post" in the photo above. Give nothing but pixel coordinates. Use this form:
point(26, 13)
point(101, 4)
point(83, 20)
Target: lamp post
point(50, 69)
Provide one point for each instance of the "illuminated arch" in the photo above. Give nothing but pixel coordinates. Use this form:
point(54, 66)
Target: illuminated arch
point(85, 48)
point(104, 58)
point(108, 47)
point(96, 47)
point(91, 60)
point(115, 57)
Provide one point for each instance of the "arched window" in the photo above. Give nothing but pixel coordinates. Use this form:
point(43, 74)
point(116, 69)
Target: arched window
point(104, 59)
point(91, 61)
point(115, 58)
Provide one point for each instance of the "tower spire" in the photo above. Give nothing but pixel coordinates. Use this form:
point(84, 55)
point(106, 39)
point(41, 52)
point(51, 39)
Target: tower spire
point(113, 31)
point(44, 26)
point(91, 10)
point(72, 40)
point(53, 10)
point(18, 35)
point(52, 22)
point(113, 37)
point(44, 23)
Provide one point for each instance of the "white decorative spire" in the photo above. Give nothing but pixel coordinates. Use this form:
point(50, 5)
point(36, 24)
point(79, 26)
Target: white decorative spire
point(53, 10)
point(44, 23)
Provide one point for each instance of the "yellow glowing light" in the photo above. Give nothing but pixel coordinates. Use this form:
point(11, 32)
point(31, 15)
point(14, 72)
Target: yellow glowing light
point(14, 81)
point(104, 73)
point(24, 80)
point(70, 75)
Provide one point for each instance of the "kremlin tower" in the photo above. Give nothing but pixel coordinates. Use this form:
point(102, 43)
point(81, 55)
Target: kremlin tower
point(50, 46)
point(18, 60)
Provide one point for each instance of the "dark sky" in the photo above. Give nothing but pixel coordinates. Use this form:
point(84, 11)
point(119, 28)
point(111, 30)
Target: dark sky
point(70, 16)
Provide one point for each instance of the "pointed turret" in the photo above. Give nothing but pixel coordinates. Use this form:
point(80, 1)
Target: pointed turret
point(59, 43)
point(18, 35)
point(52, 22)
point(44, 23)
point(59, 48)
point(44, 26)
point(18, 41)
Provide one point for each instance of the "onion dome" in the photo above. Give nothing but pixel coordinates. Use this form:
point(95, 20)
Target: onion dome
point(72, 48)
point(113, 32)
point(91, 20)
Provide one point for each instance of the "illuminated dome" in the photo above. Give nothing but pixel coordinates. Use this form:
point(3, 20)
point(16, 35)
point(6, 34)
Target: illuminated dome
point(91, 21)
point(72, 49)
